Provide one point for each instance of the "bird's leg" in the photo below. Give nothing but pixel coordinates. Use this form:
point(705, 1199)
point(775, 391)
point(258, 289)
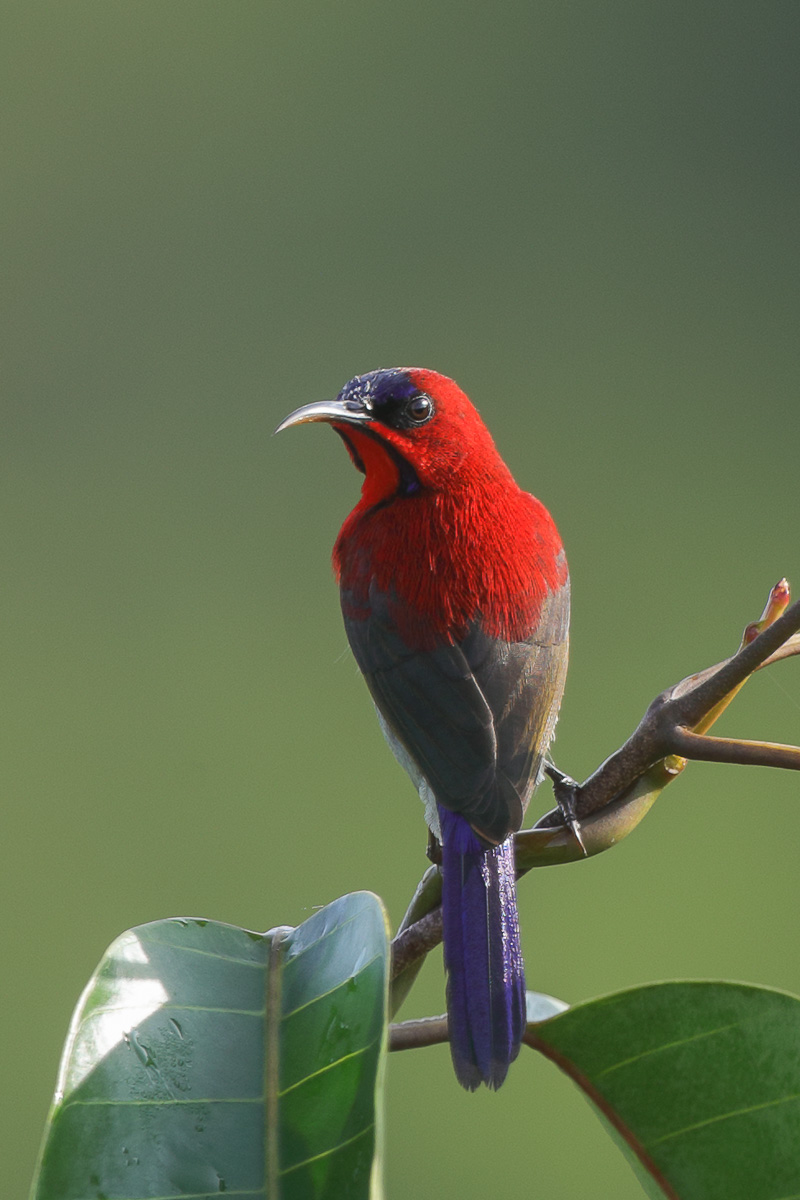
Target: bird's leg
point(565, 789)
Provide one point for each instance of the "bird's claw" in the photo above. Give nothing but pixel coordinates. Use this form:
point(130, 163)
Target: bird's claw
point(565, 789)
point(434, 849)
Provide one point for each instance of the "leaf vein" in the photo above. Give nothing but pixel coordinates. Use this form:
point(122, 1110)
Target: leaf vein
point(231, 958)
point(162, 1103)
point(328, 1153)
point(201, 1008)
point(330, 991)
point(328, 933)
point(738, 1112)
point(695, 1037)
point(330, 1066)
point(199, 1195)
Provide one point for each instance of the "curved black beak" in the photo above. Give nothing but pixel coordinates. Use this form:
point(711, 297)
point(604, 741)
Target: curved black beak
point(348, 412)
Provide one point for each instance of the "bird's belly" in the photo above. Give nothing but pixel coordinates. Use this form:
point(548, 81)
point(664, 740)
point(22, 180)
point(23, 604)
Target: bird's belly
point(417, 778)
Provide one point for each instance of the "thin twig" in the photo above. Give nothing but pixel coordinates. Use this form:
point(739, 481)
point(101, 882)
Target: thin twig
point(663, 728)
point(416, 941)
point(703, 748)
point(409, 1035)
point(673, 728)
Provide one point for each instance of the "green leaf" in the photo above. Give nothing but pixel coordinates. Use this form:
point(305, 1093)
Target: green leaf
point(205, 1059)
point(700, 1081)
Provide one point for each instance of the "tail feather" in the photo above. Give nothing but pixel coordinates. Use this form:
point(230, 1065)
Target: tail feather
point(485, 976)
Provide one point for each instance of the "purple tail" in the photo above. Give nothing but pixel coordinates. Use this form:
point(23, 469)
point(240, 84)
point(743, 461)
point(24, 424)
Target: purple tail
point(482, 956)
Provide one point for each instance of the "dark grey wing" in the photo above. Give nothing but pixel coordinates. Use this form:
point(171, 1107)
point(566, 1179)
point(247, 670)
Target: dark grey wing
point(431, 702)
point(475, 717)
point(523, 683)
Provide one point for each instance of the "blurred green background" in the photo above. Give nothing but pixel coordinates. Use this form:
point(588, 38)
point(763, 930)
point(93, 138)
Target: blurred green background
point(216, 212)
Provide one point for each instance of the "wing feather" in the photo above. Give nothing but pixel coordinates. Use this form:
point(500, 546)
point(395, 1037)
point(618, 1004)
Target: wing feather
point(475, 717)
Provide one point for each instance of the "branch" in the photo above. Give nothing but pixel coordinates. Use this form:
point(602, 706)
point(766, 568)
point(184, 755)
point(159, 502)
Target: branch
point(412, 944)
point(410, 1035)
point(734, 750)
point(676, 720)
point(615, 798)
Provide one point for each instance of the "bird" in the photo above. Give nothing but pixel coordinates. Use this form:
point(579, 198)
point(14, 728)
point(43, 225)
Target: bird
point(455, 595)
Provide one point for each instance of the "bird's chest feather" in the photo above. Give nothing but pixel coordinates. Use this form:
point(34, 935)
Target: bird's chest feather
point(448, 561)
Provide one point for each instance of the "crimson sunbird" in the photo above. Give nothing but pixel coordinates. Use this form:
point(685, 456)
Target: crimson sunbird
point(455, 595)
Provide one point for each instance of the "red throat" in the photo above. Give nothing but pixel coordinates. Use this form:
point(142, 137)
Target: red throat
point(381, 473)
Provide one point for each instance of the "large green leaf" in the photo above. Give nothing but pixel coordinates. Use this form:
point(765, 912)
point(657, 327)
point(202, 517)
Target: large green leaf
point(205, 1059)
point(700, 1082)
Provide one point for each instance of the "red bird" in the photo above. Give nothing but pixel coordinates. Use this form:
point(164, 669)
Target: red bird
point(455, 595)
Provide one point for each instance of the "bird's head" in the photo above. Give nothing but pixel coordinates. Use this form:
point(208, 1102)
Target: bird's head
point(407, 429)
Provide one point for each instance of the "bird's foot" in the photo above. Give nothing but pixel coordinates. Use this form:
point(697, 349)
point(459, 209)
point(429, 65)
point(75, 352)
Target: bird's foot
point(565, 789)
point(434, 849)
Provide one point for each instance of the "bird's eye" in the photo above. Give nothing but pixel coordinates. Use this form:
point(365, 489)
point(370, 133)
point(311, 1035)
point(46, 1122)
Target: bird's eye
point(420, 409)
